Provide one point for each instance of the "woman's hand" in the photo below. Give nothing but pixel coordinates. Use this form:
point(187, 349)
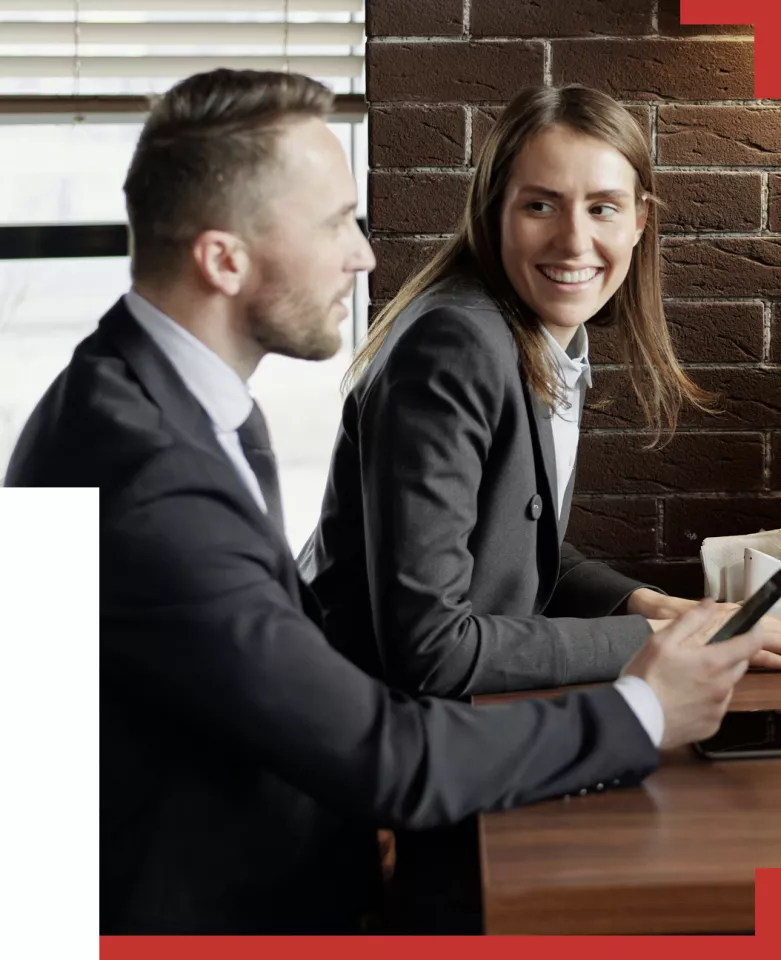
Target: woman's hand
point(659, 610)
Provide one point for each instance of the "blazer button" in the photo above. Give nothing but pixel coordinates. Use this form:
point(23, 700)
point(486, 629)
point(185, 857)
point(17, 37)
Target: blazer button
point(535, 507)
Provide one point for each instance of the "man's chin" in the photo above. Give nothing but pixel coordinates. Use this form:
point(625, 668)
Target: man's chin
point(324, 351)
point(323, 348)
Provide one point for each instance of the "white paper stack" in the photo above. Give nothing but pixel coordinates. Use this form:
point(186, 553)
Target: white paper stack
point(735, 567)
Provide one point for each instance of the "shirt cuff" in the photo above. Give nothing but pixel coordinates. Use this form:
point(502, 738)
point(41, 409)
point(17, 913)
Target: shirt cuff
point(644, 703)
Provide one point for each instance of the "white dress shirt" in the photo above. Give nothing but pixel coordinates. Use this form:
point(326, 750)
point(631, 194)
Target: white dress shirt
point(216, 386)
point(576, 375)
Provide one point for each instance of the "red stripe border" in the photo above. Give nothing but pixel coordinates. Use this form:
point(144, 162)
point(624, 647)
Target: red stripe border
point(766, 944)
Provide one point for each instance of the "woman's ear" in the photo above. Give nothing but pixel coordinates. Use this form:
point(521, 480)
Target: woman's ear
point(642, 218)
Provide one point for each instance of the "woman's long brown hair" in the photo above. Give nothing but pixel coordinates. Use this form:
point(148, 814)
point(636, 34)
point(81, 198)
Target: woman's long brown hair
point(636, 309)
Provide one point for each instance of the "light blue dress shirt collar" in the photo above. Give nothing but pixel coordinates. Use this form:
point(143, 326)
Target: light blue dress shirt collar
point(216, 386)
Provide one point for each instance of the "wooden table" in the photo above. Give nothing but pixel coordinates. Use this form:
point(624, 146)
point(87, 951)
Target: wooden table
point(675, 855)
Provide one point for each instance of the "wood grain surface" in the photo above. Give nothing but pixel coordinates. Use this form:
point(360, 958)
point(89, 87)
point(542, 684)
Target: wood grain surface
point(675, 855)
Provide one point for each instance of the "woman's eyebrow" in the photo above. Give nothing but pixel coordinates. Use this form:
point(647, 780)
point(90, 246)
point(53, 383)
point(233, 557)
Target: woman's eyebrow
point(614, 193)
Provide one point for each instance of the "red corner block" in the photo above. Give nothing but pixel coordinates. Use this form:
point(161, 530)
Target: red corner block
point(765, 16)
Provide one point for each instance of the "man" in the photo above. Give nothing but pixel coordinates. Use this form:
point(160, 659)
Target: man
point(245, 765)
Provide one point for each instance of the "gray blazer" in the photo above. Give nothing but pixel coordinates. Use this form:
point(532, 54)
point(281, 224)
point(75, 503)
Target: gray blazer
point(245, 765)
point(438, 560)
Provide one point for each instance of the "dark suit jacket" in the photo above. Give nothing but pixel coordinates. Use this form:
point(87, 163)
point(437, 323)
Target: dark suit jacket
point(438, 548)
point(245, 764)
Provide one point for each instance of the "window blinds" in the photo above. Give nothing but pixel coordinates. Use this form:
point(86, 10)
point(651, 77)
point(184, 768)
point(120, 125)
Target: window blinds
point(110, 47)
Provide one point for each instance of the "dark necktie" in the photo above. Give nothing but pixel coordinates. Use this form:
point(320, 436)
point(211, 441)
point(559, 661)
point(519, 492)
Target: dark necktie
point(253, 436)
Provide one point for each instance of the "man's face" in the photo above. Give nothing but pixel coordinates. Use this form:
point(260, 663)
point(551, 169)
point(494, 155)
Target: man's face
point(569, 224)
point(305, 261)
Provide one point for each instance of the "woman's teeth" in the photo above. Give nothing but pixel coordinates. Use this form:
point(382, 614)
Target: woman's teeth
point(570, 276)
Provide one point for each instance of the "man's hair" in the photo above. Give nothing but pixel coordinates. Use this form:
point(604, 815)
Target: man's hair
point(205, 158)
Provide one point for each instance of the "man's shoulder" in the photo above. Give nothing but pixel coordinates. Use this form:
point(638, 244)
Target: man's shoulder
point(93, 425)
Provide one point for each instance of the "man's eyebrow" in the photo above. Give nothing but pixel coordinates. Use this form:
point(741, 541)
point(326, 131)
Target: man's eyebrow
point(342, 212)
point(614, 193)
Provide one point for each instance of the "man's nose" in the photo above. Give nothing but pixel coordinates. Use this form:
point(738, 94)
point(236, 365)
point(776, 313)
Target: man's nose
point(363, 258)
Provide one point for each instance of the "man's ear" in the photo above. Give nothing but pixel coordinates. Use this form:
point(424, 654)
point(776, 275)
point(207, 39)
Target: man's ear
point(642, 218)
point(223, 261)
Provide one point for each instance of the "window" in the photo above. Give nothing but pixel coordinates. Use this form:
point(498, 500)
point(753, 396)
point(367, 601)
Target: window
point(59, 170)
point(81, 47)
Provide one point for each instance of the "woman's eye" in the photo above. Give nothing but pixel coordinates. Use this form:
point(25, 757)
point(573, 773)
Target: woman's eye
point(604, 210)
point(539, 206)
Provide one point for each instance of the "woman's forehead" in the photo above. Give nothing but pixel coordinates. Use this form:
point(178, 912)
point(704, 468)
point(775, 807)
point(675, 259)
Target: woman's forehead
point(562, 160)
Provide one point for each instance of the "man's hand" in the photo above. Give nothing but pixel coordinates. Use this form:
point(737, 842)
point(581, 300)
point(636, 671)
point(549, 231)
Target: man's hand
point(660, 611)
point(693, 682)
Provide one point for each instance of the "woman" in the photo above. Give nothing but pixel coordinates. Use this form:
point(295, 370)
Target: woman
point(439, 558)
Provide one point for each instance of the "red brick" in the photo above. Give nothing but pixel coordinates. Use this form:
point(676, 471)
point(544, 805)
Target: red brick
point(643, 117)
point(705, 332)
point(414, 18)
point(451, 71)
point(688, 520)
point(749, 267)
point(670, 23)
point(417, 136)
point(751, 398)
point(774, 216)
point(658, 69)
point(576, 18)
point(416, 202)
point(775, 461)
point(613, 527)
point(733, 136)
point(678, 579)
point(709, 202)
point(691, 462)
point(397, 259)
point(483, 118)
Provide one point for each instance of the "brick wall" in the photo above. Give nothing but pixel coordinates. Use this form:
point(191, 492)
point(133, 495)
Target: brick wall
point(439, 71)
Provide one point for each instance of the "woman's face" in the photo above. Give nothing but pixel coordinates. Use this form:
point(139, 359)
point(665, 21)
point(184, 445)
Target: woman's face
point(569, 224)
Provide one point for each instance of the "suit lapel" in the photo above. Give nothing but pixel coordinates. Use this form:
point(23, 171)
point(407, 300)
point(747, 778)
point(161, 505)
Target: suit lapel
point(567, 504)
point(541, 418)
point(157, 375)
point(545, 468)
point(162, 383)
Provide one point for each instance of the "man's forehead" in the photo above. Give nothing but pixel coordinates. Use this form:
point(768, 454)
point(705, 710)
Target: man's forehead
point(313, 167)
point(309, 144)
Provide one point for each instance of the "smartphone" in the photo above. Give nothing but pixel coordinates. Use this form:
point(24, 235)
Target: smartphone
point(752, 610)
point(744, 734)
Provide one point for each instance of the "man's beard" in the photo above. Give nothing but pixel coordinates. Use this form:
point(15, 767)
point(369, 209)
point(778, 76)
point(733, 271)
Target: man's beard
point(297, 330)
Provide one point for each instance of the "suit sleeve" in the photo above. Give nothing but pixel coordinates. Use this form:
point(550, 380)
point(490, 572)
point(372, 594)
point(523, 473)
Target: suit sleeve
point(425, 431)
point(592, 589)
point(193, 614)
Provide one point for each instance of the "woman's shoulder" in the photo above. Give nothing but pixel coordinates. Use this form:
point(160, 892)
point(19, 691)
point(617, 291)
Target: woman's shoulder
point(454, 305)
point(452, 329)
